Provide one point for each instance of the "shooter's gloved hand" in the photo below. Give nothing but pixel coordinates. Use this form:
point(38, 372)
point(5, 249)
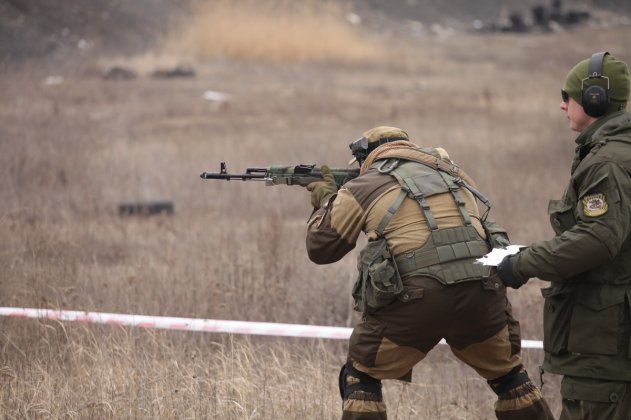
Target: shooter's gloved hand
point(321, 191)
point(508, 277)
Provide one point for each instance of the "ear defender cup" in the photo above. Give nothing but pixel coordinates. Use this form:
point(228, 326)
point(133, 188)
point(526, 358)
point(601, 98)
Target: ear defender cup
point(595, 101)
point(595, 98)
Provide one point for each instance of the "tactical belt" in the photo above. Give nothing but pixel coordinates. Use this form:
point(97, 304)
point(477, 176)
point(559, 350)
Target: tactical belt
point(414, 260)
point(449, 254)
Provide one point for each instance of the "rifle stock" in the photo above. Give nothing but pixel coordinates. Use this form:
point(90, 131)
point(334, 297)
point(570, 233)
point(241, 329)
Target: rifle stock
point(301, 175)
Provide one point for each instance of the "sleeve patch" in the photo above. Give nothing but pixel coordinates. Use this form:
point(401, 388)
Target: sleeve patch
point(595, 205)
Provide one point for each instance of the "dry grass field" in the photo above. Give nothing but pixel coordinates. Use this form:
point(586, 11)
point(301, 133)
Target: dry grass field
point(72, 149)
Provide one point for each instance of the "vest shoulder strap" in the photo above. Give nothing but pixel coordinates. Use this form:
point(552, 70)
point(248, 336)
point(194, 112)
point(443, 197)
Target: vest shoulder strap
point(390, 212)
point(439, 165)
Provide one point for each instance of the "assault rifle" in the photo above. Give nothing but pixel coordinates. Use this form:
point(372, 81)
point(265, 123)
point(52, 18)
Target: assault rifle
point(301, 175)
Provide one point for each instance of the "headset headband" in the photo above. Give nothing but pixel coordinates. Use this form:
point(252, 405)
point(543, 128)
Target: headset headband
point(596, 65)
point(595, 69)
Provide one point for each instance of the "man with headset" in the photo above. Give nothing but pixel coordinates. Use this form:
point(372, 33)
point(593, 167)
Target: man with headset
point(587, 326)
point(417, 279)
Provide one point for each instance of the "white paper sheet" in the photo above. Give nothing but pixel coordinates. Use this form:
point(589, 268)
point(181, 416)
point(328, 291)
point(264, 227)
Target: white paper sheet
point(494, 257)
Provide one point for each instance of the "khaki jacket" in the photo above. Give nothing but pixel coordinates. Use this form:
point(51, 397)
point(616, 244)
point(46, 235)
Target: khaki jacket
point(361, 204)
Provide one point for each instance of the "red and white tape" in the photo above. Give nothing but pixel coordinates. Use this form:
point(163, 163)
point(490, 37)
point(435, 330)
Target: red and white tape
point(198, 324)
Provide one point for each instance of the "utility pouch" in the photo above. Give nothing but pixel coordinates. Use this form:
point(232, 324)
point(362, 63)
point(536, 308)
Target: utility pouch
point(378, 283)
point(496, 235)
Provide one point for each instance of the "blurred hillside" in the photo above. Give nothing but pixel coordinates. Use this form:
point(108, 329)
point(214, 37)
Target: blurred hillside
point(462, 14)
point(36, 28)
point(78, 28)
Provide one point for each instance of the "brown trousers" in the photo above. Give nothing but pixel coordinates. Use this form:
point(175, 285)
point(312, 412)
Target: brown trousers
point(475, 320)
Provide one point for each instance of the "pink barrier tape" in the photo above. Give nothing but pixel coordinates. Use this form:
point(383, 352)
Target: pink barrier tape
point(198, 324)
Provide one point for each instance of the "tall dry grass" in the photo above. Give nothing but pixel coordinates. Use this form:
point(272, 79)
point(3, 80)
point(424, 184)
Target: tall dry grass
point(272, 30)
point(70, 153)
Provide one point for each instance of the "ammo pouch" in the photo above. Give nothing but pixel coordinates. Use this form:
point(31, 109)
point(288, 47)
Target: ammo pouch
point(448, 256)
point(496, 235)
point(378, 283)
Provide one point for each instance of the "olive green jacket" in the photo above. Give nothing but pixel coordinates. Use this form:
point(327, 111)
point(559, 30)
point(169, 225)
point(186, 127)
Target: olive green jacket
point(586, 314)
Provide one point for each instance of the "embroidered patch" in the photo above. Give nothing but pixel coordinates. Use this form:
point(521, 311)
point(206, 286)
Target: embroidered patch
point(595, 205)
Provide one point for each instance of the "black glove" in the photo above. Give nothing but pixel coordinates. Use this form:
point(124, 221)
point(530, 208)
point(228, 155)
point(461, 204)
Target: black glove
point(505, 271)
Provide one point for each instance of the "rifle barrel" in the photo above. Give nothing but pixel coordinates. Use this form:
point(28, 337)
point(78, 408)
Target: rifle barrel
point(228, 177)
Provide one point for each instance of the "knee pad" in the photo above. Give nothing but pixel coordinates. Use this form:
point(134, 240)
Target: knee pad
point(358, 385)
point(513, 379)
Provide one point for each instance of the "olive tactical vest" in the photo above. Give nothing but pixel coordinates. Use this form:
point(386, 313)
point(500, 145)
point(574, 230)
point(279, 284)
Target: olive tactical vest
point(448, 254)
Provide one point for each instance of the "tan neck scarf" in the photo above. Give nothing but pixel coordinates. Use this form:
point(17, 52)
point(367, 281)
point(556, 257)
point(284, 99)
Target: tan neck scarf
point(379, 151)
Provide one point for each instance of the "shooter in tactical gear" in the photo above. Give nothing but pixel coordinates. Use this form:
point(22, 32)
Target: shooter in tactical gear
point(417, 280)
point(586, 319)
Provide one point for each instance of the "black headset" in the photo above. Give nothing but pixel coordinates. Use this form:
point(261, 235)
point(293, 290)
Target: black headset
point(362, 147)
point(595, 98)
